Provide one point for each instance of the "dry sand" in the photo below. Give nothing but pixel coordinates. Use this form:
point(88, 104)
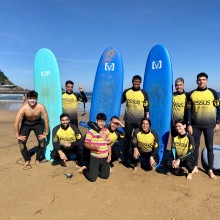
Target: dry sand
point(44, 193)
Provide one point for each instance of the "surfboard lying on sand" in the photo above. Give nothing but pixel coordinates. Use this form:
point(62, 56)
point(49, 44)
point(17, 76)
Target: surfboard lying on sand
point(158, 81)
point(108, 86)
point(216, 163)
point(48, 85)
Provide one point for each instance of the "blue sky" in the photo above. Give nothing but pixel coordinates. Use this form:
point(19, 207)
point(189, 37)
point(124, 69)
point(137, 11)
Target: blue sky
point(77, 32)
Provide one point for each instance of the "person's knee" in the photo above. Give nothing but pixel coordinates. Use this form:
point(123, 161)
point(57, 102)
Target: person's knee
point(92, 178)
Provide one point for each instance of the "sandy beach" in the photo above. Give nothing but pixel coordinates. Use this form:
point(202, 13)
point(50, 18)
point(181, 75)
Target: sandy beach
point(45, 193)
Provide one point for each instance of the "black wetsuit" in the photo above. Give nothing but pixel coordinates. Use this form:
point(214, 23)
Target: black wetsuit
point(70, 134)
point(137, 104)
point(25, 129)
point(182, 149)
point(203, 113)
point(147, 144)
point(70, 102)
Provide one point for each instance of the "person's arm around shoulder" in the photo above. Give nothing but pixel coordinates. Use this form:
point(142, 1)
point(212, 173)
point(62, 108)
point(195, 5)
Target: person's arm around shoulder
point(17, 120)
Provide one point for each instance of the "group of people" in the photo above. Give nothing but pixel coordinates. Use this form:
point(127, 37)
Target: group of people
point(193, 113)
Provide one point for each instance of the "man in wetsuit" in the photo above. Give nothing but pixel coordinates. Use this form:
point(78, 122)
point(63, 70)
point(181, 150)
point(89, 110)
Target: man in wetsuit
point(203, 115)
point(179, 105)
point(67, 139)
point(137, 107)
point(30, 113)
point(70, 101)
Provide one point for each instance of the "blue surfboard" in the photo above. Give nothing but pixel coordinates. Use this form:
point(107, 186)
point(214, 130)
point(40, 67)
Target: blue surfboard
point(48, 85)
point(158, 81)
point(216, 162)
point(108, 85)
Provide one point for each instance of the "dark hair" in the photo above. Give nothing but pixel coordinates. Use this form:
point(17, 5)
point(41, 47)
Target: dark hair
point(181, 121)
point(147, 119)
point(69, 82)
point(202, 74)
point(101, 116)
point(32, 94)
point(114, 117)
point(136, 77)
point(64, 115)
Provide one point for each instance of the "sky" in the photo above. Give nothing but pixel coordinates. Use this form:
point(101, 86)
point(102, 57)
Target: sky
point(78, 32)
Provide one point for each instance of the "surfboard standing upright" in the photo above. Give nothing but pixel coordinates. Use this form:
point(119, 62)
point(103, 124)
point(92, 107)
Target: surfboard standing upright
point(47, 84)
point(108, 85)
point(158, 80)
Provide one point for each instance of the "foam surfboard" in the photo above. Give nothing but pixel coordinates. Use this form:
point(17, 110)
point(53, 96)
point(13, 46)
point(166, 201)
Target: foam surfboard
point(48, 85)
point(158, 81)
point(216, 163)
point(108, 86)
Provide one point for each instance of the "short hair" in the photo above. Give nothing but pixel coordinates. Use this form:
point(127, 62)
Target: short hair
point(181, 121)
point(32, 94)
point(136, 77)
point(114, 117)
point(202, 74)
point(146, 119)
point(64, 115)
point(69, 82)
point(101, 116)
point(179, 80)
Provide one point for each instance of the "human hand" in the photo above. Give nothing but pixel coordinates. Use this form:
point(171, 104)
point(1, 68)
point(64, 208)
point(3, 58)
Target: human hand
point(22, 138)
point(216, 128)
point(152, 162)
point(190, 129)
point(66, 144)
point(62, 156)
point(109, 158)
point(136, 153)
point(80, 88)
point(42, 136)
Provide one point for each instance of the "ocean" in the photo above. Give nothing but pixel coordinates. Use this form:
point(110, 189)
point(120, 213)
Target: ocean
point(14, 102)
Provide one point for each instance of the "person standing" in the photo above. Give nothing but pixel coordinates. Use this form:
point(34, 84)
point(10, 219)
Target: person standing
point(30, 116)
point(179, 105)
point(70, 101)
point(203, 115)
point(137, 107)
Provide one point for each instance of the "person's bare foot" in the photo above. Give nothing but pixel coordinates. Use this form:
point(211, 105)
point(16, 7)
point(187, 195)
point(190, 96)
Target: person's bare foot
point(81, 169)
point(195, 170)
point(212, 175)
point(37, 162)
point(135, 169)
point(26, 164)
point(189, 176)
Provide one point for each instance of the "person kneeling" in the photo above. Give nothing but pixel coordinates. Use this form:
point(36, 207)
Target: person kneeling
point(182, 151)
point(145, 144)
point(67, 139)
point(100, 151)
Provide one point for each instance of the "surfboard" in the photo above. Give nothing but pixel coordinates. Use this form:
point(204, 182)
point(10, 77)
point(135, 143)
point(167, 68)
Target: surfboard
point(158, 82)
point(48, 85)
point(216, 163)
point(108, 85)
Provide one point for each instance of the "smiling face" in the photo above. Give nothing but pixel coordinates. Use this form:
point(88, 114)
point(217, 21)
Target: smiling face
point(65, 122)
point(179, 86)
point(69, 88)
point(114, 124)
point(180, 128)
point(202, 82)
point(136, 83)
point(145, 126)
point(101, 123)
point(32, 101)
